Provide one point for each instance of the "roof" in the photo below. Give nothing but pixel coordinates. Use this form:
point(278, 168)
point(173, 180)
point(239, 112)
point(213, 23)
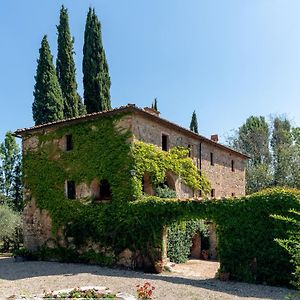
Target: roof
point(130, 108)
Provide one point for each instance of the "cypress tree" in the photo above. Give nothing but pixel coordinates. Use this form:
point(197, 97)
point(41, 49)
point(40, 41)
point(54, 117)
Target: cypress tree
point(96, 79)
point(155, 104)
point(48, 101)
point(65, 67)
point(194, 123)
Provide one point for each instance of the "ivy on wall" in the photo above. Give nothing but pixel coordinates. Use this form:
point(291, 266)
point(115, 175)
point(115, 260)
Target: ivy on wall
point(180, 236)
point(150, 159)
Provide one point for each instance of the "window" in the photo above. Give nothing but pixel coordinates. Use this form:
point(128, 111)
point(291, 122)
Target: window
point(190, 150)
point(71, 190)
point(105, 191)
point(211, 159)
point(232, 165)
point(212, 193)
point(164, 142)
point(232, 194)
point(69, 142)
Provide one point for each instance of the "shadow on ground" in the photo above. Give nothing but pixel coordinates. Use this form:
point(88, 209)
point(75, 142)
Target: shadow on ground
point(12, 271)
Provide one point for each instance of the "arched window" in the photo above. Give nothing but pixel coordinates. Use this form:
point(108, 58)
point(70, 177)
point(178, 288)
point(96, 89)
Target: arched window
point(169, 181)
point(147, 185)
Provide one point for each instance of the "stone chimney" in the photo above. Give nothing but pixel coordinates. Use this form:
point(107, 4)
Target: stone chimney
point(214, 138)
point(152, 111)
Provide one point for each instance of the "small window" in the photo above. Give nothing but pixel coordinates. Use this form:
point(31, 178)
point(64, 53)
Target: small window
point(69, 142)
point(190, 150)
point(212, 193)
point(232, 165)
point(164, 142)
point(105, 191)
point(211, 159)
point(232, 194)
point(71, 190)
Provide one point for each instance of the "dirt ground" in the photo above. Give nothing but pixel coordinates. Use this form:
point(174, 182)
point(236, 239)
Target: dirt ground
point(191, 281)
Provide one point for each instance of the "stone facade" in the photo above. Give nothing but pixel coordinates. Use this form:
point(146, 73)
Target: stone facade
point(223, 167)
point(225, 180)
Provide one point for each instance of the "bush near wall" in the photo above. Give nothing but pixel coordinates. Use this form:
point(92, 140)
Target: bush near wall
point(247, 233)
point(246, 230)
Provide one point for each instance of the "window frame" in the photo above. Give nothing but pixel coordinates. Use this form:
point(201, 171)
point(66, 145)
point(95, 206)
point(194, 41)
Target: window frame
point(69, 142)
point(167, 142)
point(70, 186)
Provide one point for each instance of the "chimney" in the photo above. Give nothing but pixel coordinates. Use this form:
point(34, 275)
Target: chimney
point(214, 138)
point(152, 111)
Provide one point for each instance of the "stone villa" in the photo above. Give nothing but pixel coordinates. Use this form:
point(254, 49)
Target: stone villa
point(223, 167)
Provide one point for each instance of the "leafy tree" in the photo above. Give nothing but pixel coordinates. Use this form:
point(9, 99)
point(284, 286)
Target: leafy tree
point(9, 154)
point(65, 67)
point(284, 153)
point(253, 139)
point(96, 79)
point(10, 226)
point(48, 99)
point(10, 158)
point(194, 123)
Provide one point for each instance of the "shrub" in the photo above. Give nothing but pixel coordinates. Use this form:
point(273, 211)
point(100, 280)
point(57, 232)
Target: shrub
point(165, 192)
point(292, 243)
point(247, 232)
point(10, 226)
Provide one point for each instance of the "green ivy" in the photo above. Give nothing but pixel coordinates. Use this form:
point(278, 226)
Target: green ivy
point(180, 235)
point(150, 159)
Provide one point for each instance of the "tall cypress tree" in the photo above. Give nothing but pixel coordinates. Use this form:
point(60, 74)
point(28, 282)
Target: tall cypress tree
point(194, 123)
point(48, 100)
point(155, 104)
point(65, 67)
point(96, 79)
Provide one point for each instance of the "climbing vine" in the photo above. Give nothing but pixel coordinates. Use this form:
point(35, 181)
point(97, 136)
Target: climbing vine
point(150, 159)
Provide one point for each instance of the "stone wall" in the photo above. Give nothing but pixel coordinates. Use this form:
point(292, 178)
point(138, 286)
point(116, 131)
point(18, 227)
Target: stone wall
point(37, 226)
point(224, 181)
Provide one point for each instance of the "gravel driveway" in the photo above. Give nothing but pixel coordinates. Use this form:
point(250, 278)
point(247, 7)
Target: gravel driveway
point(29, 278)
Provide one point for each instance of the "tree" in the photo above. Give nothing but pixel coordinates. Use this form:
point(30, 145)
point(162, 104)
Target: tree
point(252, 139)
point(10, 176)
point(48, 99)
point(154, 104)
point(194, 123)
point(10, 226)
point(65, 67)
point(283, 149)
point(96, 79)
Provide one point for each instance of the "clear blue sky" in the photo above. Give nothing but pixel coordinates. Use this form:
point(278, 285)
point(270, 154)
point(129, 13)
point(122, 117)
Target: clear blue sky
point(225, 59)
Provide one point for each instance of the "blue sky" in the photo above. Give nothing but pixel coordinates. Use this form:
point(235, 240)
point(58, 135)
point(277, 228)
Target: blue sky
point(225, 59)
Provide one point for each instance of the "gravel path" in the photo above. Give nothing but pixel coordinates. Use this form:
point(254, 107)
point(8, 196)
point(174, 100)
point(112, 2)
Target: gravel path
point(29, 278)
